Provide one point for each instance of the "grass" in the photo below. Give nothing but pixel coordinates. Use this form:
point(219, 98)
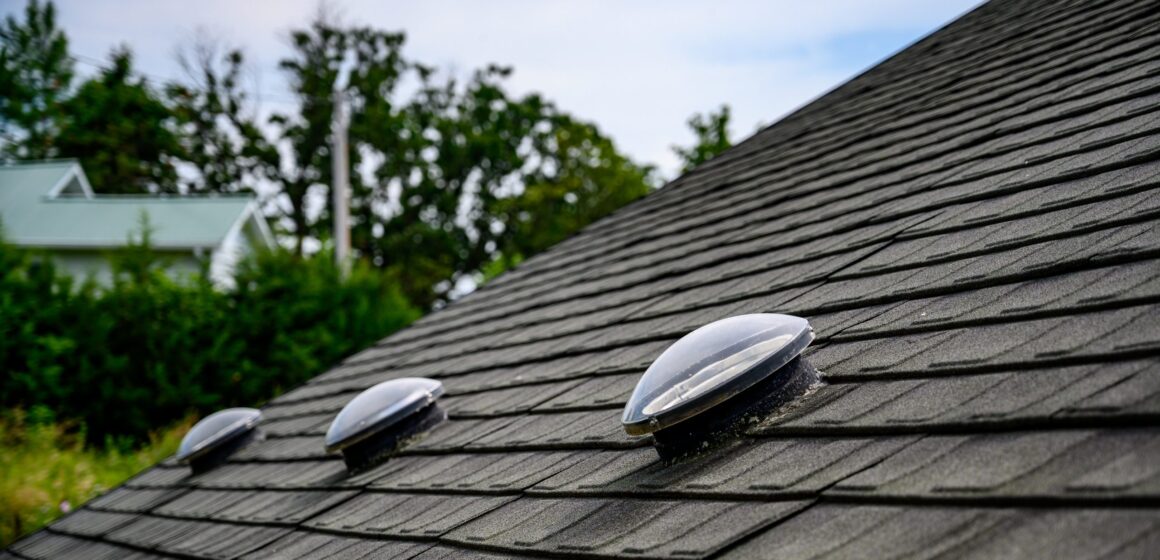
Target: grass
point(46, 468)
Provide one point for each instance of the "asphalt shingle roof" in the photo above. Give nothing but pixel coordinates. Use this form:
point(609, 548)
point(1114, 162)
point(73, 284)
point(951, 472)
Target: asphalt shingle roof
point(971, 227)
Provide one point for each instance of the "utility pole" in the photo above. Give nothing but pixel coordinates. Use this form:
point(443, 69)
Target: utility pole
point(341, 186)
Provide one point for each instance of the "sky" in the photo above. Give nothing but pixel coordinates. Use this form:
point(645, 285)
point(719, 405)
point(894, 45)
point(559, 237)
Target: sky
point(638, 69)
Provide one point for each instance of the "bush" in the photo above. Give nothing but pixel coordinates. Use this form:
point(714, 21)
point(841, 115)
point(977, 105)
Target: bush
point(148, 351)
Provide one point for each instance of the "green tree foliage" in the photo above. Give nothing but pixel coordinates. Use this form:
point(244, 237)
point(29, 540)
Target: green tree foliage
point(35, 75)
point(217, 127)
point(113, 122)
point(450, 178)
point(121, 131)
point(711, 131)
point(441, 172)
point(468, 148)
point(581, 178)
point(148, 350)
point(304, 165)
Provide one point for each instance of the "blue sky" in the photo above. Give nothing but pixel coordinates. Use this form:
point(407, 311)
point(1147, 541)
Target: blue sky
point(638, 69)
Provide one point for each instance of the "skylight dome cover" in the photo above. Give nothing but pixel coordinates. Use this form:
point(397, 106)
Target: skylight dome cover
point(712, 364)
point(379, 408)
point(215, 431)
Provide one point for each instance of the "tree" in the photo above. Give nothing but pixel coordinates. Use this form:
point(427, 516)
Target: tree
point(443, 179)
point(485, 180)
point(297, 156)
point(581, 178)
point(218, 129)
point(712, 137)
point(470, 148)
point(119, 128)
point(304, 161)
point(35, 75)
point(451, 179)
point(121, 131)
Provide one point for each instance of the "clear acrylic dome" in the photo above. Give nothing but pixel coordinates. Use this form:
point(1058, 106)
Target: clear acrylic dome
point(710, 365)
point(216, 429)
point(380, 407)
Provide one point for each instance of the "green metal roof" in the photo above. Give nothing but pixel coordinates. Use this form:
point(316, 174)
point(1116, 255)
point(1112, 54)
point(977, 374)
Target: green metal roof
point(35, 214)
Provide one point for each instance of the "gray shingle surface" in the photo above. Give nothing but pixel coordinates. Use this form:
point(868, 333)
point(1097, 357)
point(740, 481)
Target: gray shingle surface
point(406, 515)
point(867, 531)
point(621, 527)
point(51, 546)
point(973, 229)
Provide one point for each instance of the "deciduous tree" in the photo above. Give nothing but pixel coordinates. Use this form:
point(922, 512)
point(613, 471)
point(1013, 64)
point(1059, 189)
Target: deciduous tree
point(218, 123)
point(36, 72)
point(711, 131)
point(122, 131)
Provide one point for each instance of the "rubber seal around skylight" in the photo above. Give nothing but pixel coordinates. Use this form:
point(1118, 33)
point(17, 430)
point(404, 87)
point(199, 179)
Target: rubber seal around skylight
point(711, 364)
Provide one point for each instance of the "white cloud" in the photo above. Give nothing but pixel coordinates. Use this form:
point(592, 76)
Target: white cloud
point(638, 69)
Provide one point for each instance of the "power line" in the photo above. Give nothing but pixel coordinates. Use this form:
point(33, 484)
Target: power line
point(102, 65)
point(285, 97)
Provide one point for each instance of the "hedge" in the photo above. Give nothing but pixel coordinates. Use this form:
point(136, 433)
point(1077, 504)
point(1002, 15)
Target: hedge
point(148, 350)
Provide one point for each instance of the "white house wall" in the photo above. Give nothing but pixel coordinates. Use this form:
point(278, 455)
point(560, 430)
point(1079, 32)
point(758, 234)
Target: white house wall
point(82, 264)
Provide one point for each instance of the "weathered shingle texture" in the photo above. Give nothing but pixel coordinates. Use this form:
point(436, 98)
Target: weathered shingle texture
point(972, 229)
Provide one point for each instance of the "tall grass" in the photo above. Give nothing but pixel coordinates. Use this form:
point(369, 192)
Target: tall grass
point(47, 468)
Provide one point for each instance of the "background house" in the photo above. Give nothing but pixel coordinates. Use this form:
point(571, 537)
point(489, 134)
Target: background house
point(50, 206)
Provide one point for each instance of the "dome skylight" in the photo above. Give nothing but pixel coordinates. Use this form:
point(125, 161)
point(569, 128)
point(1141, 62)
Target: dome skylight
point(699, 376)
point(382, 418)
point(217, 436)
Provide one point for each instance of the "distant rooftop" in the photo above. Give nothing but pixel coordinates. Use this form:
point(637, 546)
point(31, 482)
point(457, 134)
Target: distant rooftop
point(51, 204)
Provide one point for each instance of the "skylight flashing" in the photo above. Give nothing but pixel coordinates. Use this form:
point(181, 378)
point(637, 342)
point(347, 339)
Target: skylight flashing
point(710, 379)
